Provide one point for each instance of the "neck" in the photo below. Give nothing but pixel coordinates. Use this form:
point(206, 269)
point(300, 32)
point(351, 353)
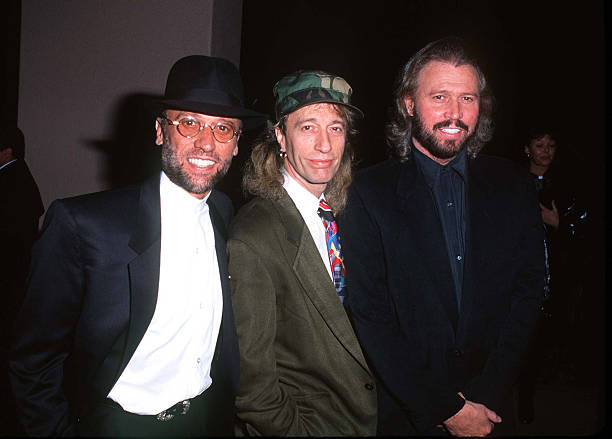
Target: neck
point(537, 169)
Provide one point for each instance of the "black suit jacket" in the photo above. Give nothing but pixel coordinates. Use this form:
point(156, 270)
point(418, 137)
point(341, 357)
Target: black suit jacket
point(423, 345)
point(91, 296)
point(20, 210)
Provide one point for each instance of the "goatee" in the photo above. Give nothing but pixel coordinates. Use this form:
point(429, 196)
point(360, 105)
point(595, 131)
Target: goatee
point(444, 151)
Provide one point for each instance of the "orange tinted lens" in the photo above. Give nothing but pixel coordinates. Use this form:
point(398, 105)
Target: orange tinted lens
point(188, 127)
point(224, 132)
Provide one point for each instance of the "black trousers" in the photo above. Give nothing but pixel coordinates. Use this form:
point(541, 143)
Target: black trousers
point(108, 419)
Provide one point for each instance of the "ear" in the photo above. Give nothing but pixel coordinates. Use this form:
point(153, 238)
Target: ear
point(409, 102)
point(280, 138)
point(159, 134)
point(235, 152)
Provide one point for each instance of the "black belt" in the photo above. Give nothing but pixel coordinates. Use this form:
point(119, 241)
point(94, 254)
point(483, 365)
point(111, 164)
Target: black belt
point(178, 409)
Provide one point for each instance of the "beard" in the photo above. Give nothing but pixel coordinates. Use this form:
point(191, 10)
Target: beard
point(442, 150)
point(171, 165)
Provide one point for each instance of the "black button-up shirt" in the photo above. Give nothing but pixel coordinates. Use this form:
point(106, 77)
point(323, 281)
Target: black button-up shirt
point(448, 186)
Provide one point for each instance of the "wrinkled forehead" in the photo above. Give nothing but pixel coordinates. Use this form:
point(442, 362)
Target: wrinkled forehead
point(440, 75)
point(319, 111)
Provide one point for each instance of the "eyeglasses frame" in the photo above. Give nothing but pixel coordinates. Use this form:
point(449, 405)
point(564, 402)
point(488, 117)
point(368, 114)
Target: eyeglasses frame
point(176, 123)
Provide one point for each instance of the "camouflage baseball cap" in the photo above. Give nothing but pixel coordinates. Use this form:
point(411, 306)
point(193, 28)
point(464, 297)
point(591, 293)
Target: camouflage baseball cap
point(306, 87)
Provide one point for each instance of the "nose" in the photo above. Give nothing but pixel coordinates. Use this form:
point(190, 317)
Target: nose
point(454, 110)
point(323, 142)
point(205, 139)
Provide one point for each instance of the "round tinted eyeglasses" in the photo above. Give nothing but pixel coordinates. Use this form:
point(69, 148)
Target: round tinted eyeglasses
point(189, 127)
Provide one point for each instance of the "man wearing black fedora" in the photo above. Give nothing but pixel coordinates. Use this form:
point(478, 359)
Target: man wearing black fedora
point(127, 326)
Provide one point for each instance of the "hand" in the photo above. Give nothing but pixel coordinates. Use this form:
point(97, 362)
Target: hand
point(473, 419)
point(550, 216)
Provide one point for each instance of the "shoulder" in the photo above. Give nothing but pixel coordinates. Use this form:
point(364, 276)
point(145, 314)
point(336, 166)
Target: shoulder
point(254, 217)
point(499, 171)
point(380, 171)
point(378, 176)
point(106, 208)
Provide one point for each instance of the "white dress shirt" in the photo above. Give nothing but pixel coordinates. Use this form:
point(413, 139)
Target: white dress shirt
point(172, 362)
point(308, 205)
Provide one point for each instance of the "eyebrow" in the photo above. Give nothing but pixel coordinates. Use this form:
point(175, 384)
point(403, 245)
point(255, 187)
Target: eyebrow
point(314, 119)
point(219, 118)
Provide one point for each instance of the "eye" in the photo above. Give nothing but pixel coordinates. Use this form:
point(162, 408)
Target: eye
point(468, 99)
point(224, 128)
point(440, 98)
point(307, 128)
point(189, 123)
point(337, 129)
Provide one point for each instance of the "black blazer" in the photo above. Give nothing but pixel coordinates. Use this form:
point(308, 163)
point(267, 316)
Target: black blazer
point(91, 296)
point(20, 210)
point(423, 346)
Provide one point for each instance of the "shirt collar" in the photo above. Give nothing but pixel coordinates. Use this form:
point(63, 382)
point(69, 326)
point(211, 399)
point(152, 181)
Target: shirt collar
point(177, 198)
point(431, 169)
point(301, 196)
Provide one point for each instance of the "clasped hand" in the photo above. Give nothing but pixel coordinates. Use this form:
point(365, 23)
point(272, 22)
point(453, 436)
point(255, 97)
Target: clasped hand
point(473, 419)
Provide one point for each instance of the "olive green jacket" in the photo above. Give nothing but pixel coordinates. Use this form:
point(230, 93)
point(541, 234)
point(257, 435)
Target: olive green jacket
point(302, 371)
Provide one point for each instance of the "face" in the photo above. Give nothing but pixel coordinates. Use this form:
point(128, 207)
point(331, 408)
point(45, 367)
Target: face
point(196, 164)
point(542, 151)
point(314, 143)
point(445, 109)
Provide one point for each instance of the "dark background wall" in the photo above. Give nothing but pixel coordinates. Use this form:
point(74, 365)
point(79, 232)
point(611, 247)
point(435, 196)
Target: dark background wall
point(77, 76)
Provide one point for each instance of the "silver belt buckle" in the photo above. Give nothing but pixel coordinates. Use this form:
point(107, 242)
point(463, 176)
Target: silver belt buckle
point(180, 408)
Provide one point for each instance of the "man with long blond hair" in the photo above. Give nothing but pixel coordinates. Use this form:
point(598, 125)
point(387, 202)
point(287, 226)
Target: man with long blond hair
point(302, 371)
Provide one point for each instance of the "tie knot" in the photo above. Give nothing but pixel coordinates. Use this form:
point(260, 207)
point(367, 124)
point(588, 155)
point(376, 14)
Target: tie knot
point(324, 211)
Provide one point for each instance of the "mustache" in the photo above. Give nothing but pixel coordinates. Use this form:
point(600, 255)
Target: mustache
point(448, 123)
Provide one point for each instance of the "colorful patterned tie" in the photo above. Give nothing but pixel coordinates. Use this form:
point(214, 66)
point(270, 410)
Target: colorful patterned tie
point(334, 249)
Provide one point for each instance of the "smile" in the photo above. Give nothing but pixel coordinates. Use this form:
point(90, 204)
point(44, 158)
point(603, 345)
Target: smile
point(450, 130)
point(201, 163)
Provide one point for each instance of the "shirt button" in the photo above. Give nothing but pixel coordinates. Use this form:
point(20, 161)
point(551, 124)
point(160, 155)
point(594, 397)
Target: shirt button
point(449, 204)
point(459, 257)
point(369, 386)
point(198, 360)
point(457, 353)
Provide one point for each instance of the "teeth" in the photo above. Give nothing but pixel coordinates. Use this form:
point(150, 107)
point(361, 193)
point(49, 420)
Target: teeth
point(201, 162)
point(451, 130)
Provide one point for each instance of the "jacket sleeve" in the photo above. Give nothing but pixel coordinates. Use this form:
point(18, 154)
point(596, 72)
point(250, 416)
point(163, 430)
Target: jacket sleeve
point(263, 405)
point(527, 290)
point(44, 328)
point(426, 401)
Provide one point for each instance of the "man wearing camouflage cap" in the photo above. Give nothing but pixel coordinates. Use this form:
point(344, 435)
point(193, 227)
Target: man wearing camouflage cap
point(302, 371)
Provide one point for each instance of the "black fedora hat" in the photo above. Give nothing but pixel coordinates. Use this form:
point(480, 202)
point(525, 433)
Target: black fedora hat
point(209, 85)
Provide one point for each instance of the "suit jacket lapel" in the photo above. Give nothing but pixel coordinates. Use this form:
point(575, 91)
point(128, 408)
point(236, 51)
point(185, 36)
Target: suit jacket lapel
point(143, 270)
point(315, 280)
point(422, 226)
point(227, 332)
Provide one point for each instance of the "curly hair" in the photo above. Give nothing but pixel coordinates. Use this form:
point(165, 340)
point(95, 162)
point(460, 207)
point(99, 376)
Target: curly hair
point(263, 177)
point(450, 50)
